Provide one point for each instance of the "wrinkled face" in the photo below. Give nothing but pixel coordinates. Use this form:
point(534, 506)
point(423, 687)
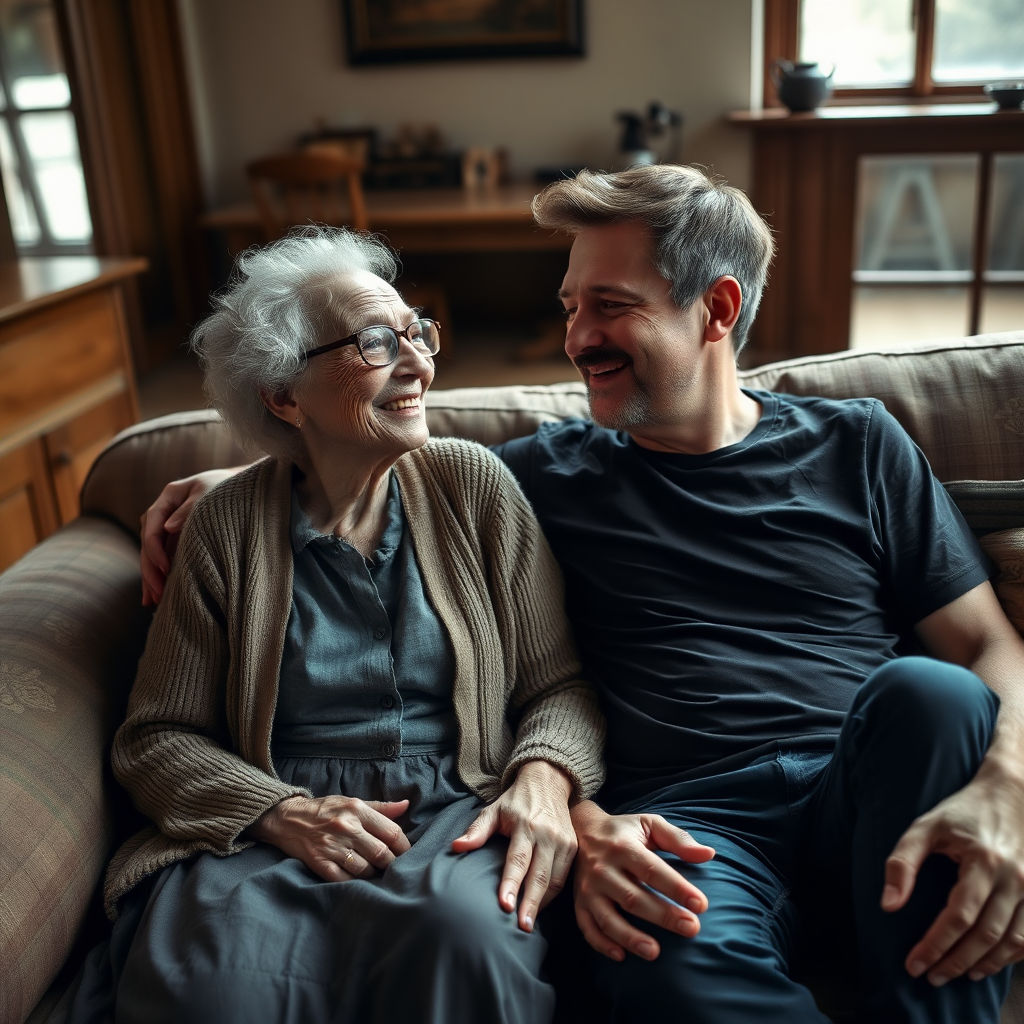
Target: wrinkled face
point(348, 406)
point(634, 347)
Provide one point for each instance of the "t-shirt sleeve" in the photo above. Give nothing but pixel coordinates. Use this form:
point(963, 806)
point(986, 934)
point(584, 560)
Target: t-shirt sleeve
point(518, 456)
point(929, 555)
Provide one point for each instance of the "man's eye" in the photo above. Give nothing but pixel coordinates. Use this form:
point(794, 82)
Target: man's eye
point(568, 313)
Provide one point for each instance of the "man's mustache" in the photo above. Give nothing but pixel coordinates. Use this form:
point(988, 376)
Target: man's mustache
point(596, 356)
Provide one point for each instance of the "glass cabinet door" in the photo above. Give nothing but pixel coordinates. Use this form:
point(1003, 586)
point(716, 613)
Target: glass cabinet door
point(1002, 299)
point(918, 232)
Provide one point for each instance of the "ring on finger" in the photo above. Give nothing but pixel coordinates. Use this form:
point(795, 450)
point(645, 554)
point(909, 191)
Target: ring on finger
point(348, 861)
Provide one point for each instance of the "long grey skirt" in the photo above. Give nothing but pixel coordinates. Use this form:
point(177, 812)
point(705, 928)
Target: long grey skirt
point(258, 937)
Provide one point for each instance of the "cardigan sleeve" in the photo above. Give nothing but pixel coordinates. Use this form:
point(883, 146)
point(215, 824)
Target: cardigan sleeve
point(172, 752)
point(560, 720)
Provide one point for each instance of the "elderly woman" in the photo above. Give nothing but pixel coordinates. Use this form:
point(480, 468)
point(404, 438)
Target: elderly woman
point(358, 674)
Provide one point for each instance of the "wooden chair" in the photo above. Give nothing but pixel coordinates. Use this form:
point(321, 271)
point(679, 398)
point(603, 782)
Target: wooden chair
point(296, 188)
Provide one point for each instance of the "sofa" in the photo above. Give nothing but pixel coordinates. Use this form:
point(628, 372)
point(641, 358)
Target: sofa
point(72, 626)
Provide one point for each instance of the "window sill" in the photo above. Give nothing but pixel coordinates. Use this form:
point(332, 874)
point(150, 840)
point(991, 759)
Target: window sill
point(843, 114)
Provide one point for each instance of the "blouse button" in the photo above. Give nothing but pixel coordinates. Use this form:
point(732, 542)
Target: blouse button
point(378, 633)
point(387, 701)
point(389, 749)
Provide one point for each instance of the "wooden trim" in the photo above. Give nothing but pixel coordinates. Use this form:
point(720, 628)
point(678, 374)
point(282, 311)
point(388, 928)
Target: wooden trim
point(947, 93)
point(96, 74)
point(924, 29)
point(781, 29)
point(980, 254)
point(159, 53)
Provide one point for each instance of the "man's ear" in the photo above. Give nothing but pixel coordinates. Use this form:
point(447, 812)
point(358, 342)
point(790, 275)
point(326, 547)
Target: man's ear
point(282, 404)
point(723, 301)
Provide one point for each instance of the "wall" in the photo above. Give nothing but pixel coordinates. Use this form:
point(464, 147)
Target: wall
point(263, 70)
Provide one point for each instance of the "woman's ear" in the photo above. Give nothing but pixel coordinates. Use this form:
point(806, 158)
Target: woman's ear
point(283, 405)
point(723, 300)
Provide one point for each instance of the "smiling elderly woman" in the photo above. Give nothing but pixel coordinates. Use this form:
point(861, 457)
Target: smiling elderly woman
point(359, 673)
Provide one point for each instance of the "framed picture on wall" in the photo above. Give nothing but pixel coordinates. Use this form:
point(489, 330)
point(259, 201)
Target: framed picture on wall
point(392, 31)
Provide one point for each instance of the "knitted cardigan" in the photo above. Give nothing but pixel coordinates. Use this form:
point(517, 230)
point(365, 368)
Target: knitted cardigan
point(194, 751)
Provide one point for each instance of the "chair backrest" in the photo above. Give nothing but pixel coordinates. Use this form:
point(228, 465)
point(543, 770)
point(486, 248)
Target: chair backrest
point(296, 188)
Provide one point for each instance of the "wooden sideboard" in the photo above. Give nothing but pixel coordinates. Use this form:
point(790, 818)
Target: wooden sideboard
point(805, 184)
point(66, 386)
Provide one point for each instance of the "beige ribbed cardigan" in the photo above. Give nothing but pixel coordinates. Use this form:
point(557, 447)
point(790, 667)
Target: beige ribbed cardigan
point(194, 751)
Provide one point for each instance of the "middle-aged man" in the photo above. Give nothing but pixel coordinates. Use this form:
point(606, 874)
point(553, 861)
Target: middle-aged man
point(742, 569)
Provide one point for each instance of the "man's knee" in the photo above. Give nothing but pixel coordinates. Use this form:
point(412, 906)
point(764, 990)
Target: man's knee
point(928, 697)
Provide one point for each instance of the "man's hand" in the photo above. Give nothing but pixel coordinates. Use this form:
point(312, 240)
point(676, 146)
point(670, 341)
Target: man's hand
point(618, 866)
point(162, 523)
point(981, 928)
point(534, 813)
point(981, 828)
point(337, 837)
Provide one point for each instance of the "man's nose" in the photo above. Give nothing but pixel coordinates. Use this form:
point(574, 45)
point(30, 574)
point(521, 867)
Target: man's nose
point(579, 335)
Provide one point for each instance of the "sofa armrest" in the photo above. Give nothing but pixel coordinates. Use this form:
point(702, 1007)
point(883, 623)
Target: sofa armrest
point(71, 632)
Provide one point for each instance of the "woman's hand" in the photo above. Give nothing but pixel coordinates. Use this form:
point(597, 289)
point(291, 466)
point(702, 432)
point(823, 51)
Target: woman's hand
point(337, 837)
point(534, 813)
point(161, 525)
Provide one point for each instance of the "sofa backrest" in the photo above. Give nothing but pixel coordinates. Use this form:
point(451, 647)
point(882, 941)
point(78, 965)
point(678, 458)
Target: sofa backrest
point(962, 401)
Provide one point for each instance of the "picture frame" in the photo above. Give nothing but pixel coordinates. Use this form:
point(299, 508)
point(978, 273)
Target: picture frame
point(400, 31)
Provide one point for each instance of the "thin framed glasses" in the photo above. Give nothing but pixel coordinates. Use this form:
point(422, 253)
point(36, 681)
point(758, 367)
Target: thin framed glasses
point(378, 345)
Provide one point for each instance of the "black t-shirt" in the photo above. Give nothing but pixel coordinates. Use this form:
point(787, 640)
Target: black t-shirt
point(724, 602)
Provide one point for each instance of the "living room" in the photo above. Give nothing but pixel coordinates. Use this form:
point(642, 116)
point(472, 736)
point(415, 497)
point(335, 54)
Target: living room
point(895, 205)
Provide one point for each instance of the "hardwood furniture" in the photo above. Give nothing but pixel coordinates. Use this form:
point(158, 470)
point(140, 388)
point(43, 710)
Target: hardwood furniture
point(425, 220)
point(805, 180)
point(66, 386)
point(294, 188)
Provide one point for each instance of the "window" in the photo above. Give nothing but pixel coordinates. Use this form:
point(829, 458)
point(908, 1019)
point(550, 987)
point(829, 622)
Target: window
point(39, 159)
point(900, 48)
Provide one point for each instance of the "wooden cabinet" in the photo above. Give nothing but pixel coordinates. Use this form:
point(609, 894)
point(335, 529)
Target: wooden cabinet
point(805, 184)
point(66, 387)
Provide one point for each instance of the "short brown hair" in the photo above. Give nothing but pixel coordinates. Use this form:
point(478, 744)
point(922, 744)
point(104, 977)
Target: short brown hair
point(703, 228)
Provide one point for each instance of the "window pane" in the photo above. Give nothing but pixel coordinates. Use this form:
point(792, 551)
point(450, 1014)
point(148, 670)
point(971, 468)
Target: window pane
point(884, 316)
point(53, 149)
point(24, 223)
point(32, 55)
point(978, 40)
point(915, 218)
point(33, 91)
point(1006, 219)
point(870, 42)
point(1002, 309)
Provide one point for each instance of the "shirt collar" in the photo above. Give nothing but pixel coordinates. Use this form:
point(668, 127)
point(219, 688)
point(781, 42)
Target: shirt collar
point(302, 532)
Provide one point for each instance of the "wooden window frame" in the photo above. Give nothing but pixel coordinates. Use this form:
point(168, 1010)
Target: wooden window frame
point(781, 42)
point(47, 243)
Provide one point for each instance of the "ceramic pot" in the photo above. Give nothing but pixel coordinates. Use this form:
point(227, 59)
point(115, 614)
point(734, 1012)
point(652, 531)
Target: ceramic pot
point(801, 86)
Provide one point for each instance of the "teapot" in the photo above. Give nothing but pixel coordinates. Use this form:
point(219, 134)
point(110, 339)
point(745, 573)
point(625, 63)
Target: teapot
point(801, 86)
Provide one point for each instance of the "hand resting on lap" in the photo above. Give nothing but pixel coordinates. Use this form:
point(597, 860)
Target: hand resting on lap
point(534, 813)
point(618, 865)
point(337, 837)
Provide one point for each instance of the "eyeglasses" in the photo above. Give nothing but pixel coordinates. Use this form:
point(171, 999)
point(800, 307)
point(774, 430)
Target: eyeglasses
point(378, 345)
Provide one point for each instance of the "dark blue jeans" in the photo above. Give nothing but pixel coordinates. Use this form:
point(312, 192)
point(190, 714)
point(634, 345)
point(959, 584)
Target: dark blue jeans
point(801, 841)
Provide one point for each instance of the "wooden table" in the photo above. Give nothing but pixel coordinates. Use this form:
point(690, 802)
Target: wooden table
point(425, 220)
point(66, 386)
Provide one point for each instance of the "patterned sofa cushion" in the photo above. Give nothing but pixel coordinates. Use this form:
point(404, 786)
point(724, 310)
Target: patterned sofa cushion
point(961, 401)
point(1006, 549)
point(71, 632)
